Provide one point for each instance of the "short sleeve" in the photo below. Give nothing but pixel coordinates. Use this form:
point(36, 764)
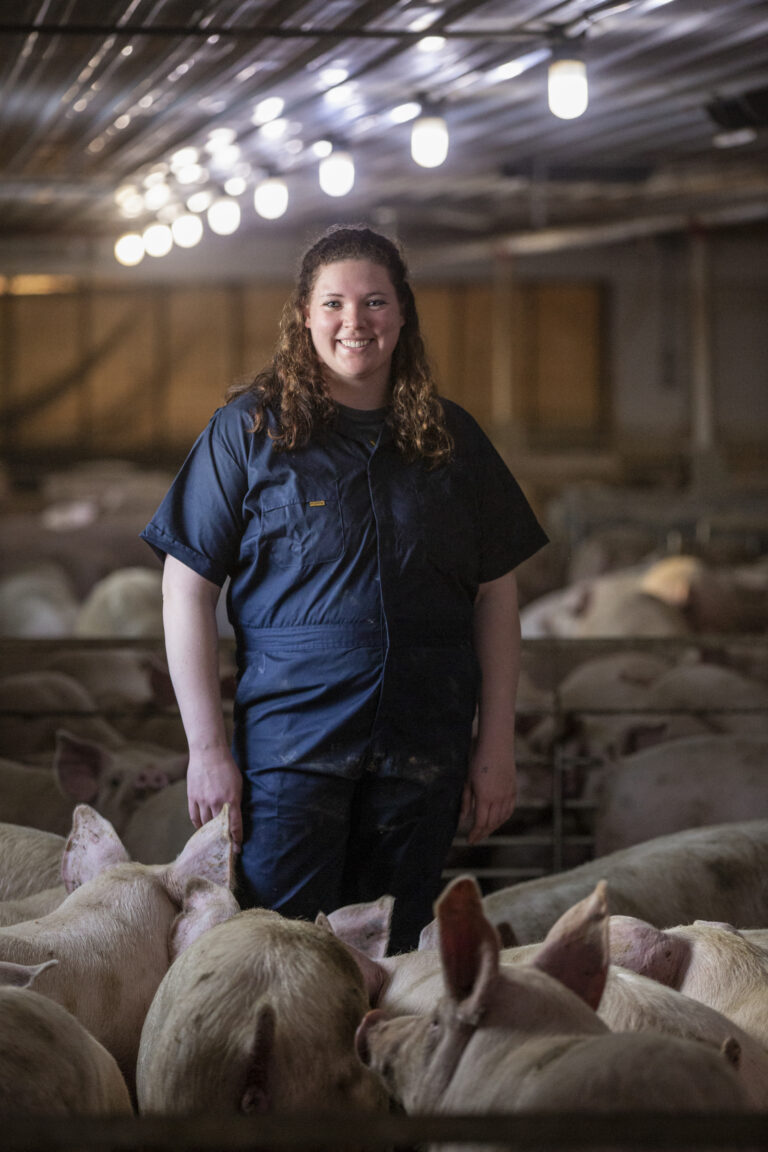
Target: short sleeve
point(200, 520)
point(509, 530)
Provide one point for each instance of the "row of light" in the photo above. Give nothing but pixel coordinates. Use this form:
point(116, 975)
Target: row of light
point(568, 98)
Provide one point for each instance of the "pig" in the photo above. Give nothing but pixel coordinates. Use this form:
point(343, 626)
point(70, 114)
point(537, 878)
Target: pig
point(731, 701)
point(715, 872)
point(114, 781)
point(709, 961)
point(258, 1016)
point(159, 827)
point(686, 783)
point(529, 1039)
point(122, 925)
point(30, 860)
point(31, 797)
point(35, 704)
point(411, 983)
point(632, 1003)
point(37, 601)
point(50, 1065)
point(127, 602)
point(712, 599)
point(613, 604)
point(32, 907)
point(116, 678)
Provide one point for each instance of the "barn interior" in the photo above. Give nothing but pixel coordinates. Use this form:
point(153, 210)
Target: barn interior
point(590, 266)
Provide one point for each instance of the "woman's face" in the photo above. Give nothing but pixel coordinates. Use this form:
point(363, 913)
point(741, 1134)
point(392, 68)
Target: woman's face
point(355, 319)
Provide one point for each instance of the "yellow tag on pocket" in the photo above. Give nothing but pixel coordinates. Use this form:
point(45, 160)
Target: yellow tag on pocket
point(317, 503)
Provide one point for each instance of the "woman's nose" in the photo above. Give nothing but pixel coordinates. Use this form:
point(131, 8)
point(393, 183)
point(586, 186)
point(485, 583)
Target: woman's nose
point(353, 315)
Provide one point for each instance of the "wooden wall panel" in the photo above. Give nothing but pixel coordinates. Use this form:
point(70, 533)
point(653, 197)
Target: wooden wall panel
point(140, 372)
point(262, 308)
point(48, 347)
point(124, 415)
point(200, 335)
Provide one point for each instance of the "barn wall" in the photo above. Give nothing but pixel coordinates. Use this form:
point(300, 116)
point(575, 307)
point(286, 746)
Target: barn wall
point(610, 374)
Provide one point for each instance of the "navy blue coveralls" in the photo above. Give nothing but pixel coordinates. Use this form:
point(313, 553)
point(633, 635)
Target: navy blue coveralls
point(353, 576)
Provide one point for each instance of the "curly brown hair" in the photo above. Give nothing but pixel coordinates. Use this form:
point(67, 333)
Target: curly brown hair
point(293, 388)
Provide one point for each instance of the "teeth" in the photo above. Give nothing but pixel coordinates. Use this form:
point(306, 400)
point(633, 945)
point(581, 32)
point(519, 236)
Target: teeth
point(354, 343)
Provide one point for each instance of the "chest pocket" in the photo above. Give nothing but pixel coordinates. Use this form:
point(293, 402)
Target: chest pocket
point(449, 522)
point(300, 528)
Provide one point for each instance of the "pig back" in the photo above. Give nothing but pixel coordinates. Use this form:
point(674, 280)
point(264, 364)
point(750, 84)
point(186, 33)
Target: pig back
point(30, 860)
point(201, 1035)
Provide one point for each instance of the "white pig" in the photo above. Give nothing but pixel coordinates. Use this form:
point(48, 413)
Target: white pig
point(30, 860)
point(528, 1038)
point(257, 1016)
point(32, 907)
point(50, 1065)
point(717, 873)
point(709, 961)
point(634, 1003)
point(685, 783)
point(34, 705)
point(122, 926)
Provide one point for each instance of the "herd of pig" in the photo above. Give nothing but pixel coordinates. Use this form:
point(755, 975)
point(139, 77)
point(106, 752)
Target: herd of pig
point(637, 982)
point(132, 983)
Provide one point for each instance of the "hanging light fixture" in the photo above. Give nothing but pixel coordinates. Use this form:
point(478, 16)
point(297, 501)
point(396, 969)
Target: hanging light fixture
point(567, 87)
point(337, 173)
point(270, 198)
point(129, 249)
point(429, 139)
point(158, 240)
point(224, 216)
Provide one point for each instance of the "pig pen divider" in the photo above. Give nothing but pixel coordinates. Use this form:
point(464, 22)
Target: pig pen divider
point(328, 1132)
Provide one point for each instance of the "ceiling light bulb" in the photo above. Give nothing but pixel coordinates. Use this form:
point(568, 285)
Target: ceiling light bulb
point(183, 157)
point(322, 148)
point(337, 174)
point(156, 196)
point(158, 240)
point(187, 230)
point(270, 198)
point(268, 109)
point(235, 186)
point(200, 201)
point(191, 174)
point(224, 216)
point(567, 88)
point(431, 43)
point(129, 249)
point(429, 141)
point(405, 112)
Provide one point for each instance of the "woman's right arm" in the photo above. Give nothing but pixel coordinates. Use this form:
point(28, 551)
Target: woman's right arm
point(192, 647)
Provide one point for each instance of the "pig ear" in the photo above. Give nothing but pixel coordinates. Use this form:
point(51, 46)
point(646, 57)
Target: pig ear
point(21, 975)
point(79, 765)
point(429, 937)
point(92, 846)
point(209, 853)
point(365, 926)
point(204, 906)
point(645, 949)
point(374, 975)
point(257, 1091)
point(469, 943)
point(361, 1035)
point(575, 950)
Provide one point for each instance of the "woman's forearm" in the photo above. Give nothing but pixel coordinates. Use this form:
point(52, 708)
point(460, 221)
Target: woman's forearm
point(491, 788)
point(192, 648)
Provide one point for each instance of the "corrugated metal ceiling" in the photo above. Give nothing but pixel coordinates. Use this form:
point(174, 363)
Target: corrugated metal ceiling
point(100, 94)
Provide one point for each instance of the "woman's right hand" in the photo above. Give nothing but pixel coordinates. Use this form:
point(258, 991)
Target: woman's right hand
point(213, 780)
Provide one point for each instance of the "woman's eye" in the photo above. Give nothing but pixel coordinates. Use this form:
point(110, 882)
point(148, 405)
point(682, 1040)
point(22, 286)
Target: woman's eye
point(331, 304)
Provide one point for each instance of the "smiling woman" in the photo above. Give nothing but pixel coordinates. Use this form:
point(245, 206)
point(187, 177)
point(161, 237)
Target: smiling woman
point(369, 531)
point(355, 320)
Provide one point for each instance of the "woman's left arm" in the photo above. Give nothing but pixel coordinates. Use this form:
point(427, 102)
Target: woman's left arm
point(491, 788)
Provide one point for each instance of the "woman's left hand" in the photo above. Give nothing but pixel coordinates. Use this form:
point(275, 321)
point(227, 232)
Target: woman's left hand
point(489, 793)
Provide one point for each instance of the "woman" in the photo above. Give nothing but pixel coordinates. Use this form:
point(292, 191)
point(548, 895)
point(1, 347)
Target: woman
point(370, 532)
